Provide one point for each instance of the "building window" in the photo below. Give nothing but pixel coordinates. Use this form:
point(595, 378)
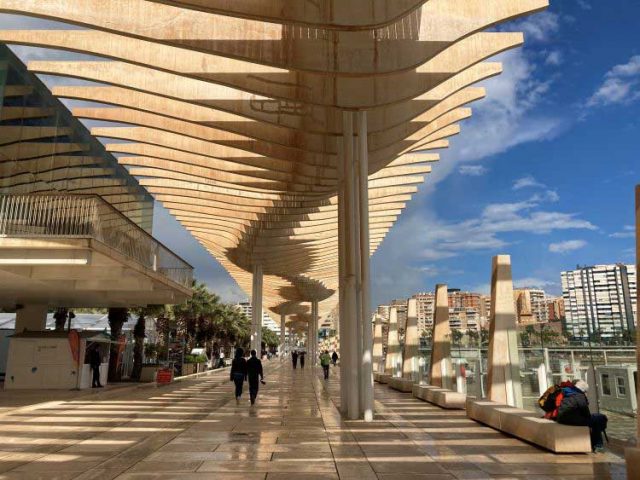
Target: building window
point(621, 386)
point(606, 386)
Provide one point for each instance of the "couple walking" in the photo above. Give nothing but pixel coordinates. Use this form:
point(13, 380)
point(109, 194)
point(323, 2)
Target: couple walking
point(243, 370)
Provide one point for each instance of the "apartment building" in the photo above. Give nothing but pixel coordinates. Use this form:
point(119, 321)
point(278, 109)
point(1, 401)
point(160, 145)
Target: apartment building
point(600, 298)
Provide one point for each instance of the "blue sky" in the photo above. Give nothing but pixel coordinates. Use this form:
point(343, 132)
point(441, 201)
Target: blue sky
point(543, 171)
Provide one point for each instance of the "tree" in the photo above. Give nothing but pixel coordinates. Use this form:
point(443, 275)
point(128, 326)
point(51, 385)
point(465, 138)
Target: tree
point(484, 337)
point(269, 338)
point(117, 318)
point(473, 336)
point(139, 335)
point(456, 336)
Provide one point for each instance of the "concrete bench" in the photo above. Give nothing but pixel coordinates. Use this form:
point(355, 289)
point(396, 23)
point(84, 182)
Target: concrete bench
point(401, 384)
point(440, 396)
point(381, 377)
point(527, 426)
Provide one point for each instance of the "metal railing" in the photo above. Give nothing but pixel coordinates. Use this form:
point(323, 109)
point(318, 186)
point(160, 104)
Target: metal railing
point(89, 216)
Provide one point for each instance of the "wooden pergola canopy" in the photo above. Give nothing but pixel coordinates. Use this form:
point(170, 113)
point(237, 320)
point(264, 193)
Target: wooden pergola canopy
point(233, 110)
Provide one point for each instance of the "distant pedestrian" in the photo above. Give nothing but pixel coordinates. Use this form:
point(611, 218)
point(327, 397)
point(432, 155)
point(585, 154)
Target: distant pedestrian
point(255, 375)
point(95, 360)
point(325, 361)
point(238, 373)
point(294, 359)
point(334, 358)
point(302, 355)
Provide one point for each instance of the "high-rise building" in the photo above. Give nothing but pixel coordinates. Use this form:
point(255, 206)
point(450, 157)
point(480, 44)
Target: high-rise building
point(267, 321)
point(555, 309)
point(531, 305)
point(401, 308)
point(424, 303)
point(383, 312)
point(467, 310)
point(599, 299)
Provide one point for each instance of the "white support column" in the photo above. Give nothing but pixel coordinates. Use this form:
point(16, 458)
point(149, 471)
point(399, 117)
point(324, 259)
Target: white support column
point(411, 342)
point(393, 343)
point(441, 373)
point(503, 358)
point(378, 367)
point(283, 334)
point(256, 310)
point(366, 360)
point(314, 334)
point(633, 454)
point(342, 330)
point(350, 250)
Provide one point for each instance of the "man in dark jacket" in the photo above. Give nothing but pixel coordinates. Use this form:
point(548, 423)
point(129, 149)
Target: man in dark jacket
point(255, 374)
point(95, 360)
point(238, 373)
point(574, 410)
point(294, 359)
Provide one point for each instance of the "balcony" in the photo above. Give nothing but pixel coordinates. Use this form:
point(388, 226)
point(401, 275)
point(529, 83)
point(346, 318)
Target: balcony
point(79, 250)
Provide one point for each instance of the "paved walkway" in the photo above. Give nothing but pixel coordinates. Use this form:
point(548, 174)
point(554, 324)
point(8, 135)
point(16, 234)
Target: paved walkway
point(195, 430)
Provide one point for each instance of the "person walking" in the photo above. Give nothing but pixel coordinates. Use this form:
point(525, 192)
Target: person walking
point(255, 375)
point(334, 358)
point(294, 359)
point(325, 361)
point(238, 373)
point(302, 354)
point(95, 360)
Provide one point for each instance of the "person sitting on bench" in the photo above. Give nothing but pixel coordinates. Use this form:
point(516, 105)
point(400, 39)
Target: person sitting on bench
point(574, 410)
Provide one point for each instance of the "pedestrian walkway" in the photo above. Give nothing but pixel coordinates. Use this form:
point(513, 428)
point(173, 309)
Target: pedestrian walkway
point(195, 430)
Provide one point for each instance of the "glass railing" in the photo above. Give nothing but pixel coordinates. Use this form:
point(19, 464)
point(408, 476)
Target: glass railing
point(611, 372)
point(89, 216)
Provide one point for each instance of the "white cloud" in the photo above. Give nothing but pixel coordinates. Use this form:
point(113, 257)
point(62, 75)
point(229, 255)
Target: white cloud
point(440, 240)
point(583, 4)
point(539, 28)
point(533, 282)
point(628, 231)
point(554, 58)
point(472, 170)
point(567, 246)
point(527, 182)
point(621, 85)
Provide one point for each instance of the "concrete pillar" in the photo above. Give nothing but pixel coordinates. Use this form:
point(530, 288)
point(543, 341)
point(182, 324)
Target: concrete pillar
point(365, 275)
point(283, 334)
point(313, 334)
point(32, 318)
point(350, 249)
point(503, 359)
point(411, 342)
point(441, 373)
point(377, 346)
point(256, 310)
point(342, 330)
point(633, 454)
point(393, 344)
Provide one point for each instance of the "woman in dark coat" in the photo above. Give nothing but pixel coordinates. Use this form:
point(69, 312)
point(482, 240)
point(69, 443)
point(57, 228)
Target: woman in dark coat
point(238, 372)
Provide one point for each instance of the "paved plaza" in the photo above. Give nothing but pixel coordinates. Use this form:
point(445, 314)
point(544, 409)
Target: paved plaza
point(194, 430)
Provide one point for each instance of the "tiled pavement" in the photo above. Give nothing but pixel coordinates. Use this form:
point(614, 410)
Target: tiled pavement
point(195, 430)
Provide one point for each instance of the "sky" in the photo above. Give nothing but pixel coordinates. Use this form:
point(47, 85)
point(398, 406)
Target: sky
point(543, 171)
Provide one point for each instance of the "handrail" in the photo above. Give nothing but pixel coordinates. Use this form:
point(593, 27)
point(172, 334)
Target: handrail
point(67, 215)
